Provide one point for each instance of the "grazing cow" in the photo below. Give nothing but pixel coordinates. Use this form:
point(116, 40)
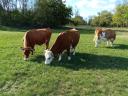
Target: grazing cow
point(33, 37)
point(66, 41)
point(104, 35)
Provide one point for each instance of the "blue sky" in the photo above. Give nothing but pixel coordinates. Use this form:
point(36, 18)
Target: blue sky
point(91, 7)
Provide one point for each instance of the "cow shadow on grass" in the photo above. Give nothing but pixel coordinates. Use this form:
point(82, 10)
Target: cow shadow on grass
point(12, 29)
point(38, 59)
point(91, 61)
point(119, 46)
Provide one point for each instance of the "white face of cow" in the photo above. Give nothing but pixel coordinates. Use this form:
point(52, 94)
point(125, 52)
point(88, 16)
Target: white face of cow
point(103, 36)
point(48, 56)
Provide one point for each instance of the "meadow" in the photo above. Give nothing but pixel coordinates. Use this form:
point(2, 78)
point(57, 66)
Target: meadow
point(92, 71)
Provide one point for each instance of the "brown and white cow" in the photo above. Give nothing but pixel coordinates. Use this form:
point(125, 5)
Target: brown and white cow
point(33, 37)
point(66, 41)
point(107, 35)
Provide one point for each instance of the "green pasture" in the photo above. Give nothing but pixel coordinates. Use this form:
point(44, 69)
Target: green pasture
point(93, 71)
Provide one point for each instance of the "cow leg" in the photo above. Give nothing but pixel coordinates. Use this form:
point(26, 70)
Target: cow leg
point(47, 45)
point(73, 53)
point(32, 49)
point(69, 58)
point(107, 43)
point(96, 42)
point(60, 57)
point(68, 53)
point(72, 50)
point(111, 43)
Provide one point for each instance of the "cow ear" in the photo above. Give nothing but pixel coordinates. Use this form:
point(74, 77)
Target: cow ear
point(21, 48)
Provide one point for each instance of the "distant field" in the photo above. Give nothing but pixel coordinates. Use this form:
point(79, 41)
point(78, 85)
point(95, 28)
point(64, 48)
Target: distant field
point(93, 71)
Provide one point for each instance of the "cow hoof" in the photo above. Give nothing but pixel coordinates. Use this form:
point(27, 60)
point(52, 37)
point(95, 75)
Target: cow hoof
point(59, 58)
point(74, 53)
point(47, 63)
point(69, 58)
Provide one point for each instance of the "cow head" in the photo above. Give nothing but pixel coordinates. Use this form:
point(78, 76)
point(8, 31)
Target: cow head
point(48, 56)
point(26, 52)
point(100, 35)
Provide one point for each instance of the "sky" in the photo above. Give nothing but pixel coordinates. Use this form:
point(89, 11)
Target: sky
point(88, 8)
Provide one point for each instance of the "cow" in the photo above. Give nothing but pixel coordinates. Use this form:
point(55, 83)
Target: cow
point(66, 41)
point(35, 37)
point(107, 35)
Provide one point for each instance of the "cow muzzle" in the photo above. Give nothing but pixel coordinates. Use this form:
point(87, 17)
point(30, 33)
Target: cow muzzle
point(26, 59)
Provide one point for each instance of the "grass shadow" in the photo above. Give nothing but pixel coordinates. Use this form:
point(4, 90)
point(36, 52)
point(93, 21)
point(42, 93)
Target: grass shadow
point(38, 59)
point(121, 30)
point(91, 61)
point(12, 29)
point(82, 30)
point(119, 46)
point(55, 30)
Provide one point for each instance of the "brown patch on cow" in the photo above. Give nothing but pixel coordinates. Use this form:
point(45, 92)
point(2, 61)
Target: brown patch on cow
point(65, 40)
point(35, 36)
point(109, 33)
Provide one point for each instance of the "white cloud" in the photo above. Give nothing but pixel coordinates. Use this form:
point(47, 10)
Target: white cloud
point(91, 7)
point(95, 4)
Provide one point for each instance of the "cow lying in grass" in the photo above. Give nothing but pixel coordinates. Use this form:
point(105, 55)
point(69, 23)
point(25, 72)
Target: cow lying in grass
point(33, 37)
point(67, 40)
point(107, 35)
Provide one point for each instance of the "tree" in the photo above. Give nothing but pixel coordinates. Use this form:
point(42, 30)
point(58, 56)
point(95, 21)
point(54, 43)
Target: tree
point(78, 20)
point(104, 18)
point(120, 18)
point(52, 13)
point(43, 12)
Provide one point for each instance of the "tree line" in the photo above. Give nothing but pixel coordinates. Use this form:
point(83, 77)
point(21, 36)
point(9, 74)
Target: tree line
point(55, 13)
point(119, 18)
point(34, 13)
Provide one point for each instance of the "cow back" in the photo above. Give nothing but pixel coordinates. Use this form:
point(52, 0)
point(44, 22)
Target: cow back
point(110, 33)
point(65, 40)
point(36, 36)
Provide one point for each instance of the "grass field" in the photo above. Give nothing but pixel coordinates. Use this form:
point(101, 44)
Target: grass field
point(93, 71)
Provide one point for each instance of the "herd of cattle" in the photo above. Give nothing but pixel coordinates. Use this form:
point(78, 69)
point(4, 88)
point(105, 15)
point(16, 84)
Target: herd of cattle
point(66, 41)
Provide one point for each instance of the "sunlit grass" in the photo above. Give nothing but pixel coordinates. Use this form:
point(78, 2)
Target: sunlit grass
point(93, 71)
